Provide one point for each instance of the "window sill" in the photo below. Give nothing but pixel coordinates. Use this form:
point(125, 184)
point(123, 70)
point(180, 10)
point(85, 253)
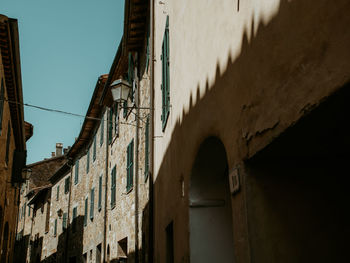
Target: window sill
point(129, 190)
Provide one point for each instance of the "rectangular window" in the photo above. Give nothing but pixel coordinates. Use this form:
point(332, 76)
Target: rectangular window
point(47, 222)
point(165, 76)
point(110, 126)
point(74, 220)
point(64, 222)
point(86, 211)
point(57, 193)
point(76, 172)
point(94, 150)
point(102, 131)
point(29, 211)
point(113, 186)
point(147, 148)
point(66, 185)
point(88, 161)
point(116, 119)
point(100, 193)
point(24, 209)
point(130, 165)
point(2, 100)
point(55, 228)
point(8, 139)
point(92, 203)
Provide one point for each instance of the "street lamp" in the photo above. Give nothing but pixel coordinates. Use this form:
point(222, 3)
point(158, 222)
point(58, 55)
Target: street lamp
point(120, 90)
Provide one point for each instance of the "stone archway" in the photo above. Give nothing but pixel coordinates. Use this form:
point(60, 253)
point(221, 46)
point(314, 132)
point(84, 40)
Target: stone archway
point(211, 234)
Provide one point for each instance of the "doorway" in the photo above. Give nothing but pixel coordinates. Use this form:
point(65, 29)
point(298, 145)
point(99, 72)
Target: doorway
point(211, 234)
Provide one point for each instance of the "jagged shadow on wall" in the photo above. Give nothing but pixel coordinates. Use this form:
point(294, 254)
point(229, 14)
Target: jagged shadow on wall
point(283, 71)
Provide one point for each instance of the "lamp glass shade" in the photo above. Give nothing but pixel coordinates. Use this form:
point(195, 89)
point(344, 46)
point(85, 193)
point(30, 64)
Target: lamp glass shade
point(120, 90)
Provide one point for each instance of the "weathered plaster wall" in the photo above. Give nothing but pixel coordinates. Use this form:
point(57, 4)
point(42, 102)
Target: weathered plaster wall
point(243, 76)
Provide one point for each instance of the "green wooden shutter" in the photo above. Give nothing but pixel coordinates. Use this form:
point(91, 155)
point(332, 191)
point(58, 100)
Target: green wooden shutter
point(58, 193)
point(165, 76)
point(86, 212)
point(64, 222)
point(100, 193)
point(74, 221)
point(55, 228)
point(116, 119)
point(102, 131)
point(2, 98)
point(88, 161)
point(94, 150)
point(8, 140)
point(113, 187)
point(130, 165)
point(92, 203)
point(66, 185)
point(76, 174)
point(147, 148)
point(110, 126)
point(147, 49)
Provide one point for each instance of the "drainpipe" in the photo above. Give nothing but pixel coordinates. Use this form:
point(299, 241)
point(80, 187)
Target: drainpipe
point(151, 135)
point(106, 184)
point(137, 102)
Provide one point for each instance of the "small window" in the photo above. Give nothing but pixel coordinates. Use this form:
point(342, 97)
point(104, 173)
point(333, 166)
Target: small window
point(113, 186)
point(64, 222)
point(66, 185)
point(94, 150)
point(55, 228)
point(147, 148)
point(74, 220)
point(92, 203)
point(165, 76)
point(100, 193)
point(102, 131)
point(86, 212)
point(57, 193)
point(130, 166)
point(110, 125)
point(76, 172)
point(88, 161)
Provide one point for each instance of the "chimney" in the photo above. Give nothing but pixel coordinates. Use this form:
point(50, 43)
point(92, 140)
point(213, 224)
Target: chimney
point(59, 147)
point(53, 154)
point(65, 150)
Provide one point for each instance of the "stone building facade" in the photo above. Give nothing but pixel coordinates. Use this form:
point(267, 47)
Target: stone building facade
point(13, 135)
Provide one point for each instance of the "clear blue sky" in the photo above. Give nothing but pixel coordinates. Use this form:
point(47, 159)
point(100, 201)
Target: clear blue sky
point(65, 46)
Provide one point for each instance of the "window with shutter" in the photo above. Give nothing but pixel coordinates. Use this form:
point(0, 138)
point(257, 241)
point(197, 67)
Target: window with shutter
point(130, 165)
point(75, 214)
point(102, 131)
point(113, 186)
point(94, 150)
point(86, 212)
point(147, 148)
point(165, 76)
point(64, 222)
point(88, 161)
point(66, 185)
point(100, 193)
point(116, 119)
point(92, 202)
point(110, 126)
point(76, 172)
point(57, 192)
point(2, 97)
point(55, 228)
point(8, 140)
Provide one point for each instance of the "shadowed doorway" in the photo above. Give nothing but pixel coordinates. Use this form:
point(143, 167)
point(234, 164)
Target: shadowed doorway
point(211, 234)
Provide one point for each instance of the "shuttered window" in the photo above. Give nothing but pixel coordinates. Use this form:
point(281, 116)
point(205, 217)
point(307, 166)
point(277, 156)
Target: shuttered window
point(147, 148)
point(100, 193)
point(64, 222)
point(130, 165)
point(2, 97)
point(92, 203)
point(165, 76)
point(110, 126)
point(66, 185)
point(116, 119)
point(76, 172)
point(8, 140)
point(86, 212)
point(74, 221)
point(102, 131)
point(55, 228)
point(94, 150)
point(57, 193)
point(113, 186)
point(88, 161)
